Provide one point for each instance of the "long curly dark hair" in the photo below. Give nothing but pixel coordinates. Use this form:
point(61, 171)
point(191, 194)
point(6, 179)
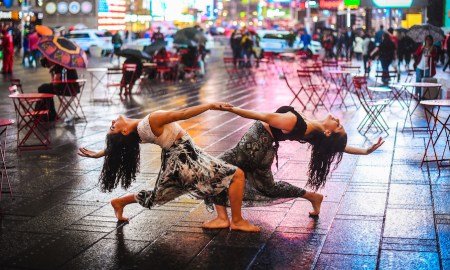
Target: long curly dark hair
point(122, 160)
point(324, 151)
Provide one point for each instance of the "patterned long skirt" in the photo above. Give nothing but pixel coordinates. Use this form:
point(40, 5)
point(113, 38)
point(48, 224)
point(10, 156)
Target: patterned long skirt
point(254, 154)
point(188, 169)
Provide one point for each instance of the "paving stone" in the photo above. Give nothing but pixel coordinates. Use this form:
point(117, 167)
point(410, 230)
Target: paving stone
point(375, 174)
point(369, 204)
point(411, 195)
point(334, 191)
point(356, 237)
point(288, 251)
point(173, 250)
point(298, 216)
point(444, 240)
point(223, 257)
point(148, 225)
point(14, 243)
point(390, 259)
point(406, 223)
point(108, 254)
point(341, 261)
point(410, 173)
point(54, 253)
point(409, 244)
point(57, 218)
point(445, 264)
point(43, 202)
point(441, 199)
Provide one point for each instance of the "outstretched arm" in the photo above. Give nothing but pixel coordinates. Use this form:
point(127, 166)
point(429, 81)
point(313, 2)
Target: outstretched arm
point(363, 151)
point(91, 154)
point(160, 118)
point(285, 121)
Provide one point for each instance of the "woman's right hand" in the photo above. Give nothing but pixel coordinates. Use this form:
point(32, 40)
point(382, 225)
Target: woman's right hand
point(89, 153)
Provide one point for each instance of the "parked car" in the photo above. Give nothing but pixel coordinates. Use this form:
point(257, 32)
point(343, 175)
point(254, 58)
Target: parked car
point(86, 38)
point(277, 41)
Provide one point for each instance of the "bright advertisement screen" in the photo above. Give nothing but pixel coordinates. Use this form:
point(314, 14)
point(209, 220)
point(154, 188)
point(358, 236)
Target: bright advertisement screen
point(393, 3)
point(172, 10)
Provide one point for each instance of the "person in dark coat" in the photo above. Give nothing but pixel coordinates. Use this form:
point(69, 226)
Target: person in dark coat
point(235, 42)
point(129, 77)
point(404, 50)
point(386, 51)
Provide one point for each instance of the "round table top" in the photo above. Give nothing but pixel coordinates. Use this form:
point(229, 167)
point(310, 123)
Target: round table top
point(6, 122)
point(31, 95)
point(421, 84)
point(436, 102)
point(379, 89)
point(149, 64)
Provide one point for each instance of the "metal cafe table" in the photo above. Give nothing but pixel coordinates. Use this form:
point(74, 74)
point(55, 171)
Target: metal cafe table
point(437, 114)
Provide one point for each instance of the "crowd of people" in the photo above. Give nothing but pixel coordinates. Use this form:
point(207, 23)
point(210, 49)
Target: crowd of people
point(393, 48)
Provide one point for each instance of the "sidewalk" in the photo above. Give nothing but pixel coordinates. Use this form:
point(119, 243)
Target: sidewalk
point(381, 211)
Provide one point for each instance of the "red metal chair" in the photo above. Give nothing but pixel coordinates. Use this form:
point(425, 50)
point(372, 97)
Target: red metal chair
point(4, 124)
point(30, 120)
point(70, 99)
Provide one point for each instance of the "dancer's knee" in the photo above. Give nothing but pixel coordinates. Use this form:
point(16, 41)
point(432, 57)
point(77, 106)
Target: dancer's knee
point(239, 176)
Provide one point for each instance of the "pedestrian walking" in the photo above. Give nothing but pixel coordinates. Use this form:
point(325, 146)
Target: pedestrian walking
point(117, 44)
point(447, 49)
point(8, 52)
point(386, 51)
point(235, 43)
point(404, 50)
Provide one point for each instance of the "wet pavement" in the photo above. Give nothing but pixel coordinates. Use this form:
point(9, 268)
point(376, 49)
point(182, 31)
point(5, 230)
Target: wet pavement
point(382, 211)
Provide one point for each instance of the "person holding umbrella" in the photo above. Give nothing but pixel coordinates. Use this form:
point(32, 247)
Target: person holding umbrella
point(62, 57)
point(426, 56)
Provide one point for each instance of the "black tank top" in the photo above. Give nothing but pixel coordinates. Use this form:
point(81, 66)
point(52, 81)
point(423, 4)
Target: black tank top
point(296, 134)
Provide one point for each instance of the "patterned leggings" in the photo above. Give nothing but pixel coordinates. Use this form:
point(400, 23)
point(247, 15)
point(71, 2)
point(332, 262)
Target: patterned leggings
point(254, 154)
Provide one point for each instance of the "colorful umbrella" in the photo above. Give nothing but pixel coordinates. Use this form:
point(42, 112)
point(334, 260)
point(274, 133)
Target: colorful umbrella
point(44, 30)
point(63, 51)
point(420, 31)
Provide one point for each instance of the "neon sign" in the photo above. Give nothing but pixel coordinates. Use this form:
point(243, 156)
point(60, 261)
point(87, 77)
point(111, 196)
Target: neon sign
point(393, 4)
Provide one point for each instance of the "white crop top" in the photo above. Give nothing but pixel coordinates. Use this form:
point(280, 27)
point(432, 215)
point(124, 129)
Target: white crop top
point(167, 137)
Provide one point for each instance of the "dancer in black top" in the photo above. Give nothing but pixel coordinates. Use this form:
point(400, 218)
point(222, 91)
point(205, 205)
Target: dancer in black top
point(257, 149)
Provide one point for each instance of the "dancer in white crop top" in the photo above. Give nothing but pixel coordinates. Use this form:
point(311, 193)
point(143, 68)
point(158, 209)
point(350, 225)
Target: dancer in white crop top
point(185, 167)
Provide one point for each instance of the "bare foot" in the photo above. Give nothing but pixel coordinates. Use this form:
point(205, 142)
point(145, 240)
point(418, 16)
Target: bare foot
point(216, 223)
point(118, 209)
point(316, 201)
point(244, 225)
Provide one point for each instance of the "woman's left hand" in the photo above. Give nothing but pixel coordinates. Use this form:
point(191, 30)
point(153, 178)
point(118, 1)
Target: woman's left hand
point(375, 146)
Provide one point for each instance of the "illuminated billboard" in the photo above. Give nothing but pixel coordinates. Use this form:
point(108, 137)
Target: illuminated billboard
point(393, 4)
point(330, 4)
